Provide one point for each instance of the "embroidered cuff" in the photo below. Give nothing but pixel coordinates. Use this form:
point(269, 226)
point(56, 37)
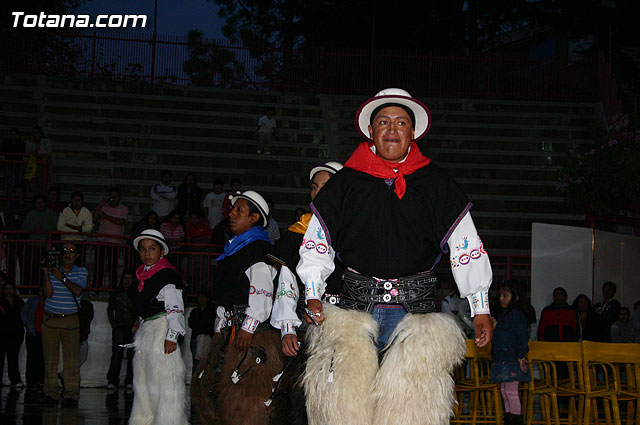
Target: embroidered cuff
point(312, 292)
point(172, 335)
point(479, 302)
point(250, 324)
point(287, 328)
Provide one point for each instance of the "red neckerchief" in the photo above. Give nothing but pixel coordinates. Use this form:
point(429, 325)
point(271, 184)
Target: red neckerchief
point(143, 274)
point(363, 159)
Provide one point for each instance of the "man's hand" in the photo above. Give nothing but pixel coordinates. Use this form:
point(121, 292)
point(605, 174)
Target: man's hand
point(243, 340)
point(316, 307)
point(74, 227)
point(290, 345)
point(57, 274)
point(170, 346)
point(484, 329)
point(523, 364)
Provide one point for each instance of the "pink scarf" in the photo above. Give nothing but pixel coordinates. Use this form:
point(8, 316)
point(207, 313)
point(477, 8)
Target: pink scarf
point(143, 274)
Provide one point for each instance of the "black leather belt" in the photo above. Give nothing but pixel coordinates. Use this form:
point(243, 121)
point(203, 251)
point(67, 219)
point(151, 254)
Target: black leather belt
point(60, 316)
point(415, 293)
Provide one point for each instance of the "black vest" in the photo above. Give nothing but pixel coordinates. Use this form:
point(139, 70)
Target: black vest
point(145, 302)
point(377, 234)
point(231, 286)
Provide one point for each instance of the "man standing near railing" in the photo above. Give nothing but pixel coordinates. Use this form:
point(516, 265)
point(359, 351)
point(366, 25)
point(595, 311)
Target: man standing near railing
point(76, 218)
point(40, 221)
point(63, 288)
point(112, 217)
point(14, 214)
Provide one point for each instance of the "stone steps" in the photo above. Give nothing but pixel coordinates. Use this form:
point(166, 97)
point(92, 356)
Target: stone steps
point(504, 154)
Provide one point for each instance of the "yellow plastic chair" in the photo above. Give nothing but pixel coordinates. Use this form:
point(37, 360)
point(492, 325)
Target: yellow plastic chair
point(547, 358)
point(625, 359)
point(600, 382)
point(478, 400)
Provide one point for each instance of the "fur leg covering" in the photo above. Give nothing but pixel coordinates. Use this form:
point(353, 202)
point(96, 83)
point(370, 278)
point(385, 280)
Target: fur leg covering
point(203, 382)
point(243, 402)
point(414, 383)
point(159, 379)
point(345, 342)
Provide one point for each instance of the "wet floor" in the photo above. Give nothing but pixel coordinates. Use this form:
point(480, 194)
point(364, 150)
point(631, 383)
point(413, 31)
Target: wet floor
point(96, 406)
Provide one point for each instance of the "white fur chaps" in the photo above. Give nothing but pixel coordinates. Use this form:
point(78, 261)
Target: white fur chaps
point(158, 379)
point(412, 386)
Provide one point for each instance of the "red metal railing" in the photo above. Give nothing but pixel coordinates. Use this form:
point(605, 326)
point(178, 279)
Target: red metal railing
point(21, 258)
point(13, 167)
point(122, 56)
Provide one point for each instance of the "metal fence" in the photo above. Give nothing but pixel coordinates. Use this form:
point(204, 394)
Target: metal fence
point(124, 56)
point(22, 255)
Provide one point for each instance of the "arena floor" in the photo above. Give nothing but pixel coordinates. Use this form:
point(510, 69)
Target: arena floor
point(96, 406)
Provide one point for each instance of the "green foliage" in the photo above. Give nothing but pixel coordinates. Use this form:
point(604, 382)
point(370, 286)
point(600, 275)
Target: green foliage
point(605, 178)
point(210, 64)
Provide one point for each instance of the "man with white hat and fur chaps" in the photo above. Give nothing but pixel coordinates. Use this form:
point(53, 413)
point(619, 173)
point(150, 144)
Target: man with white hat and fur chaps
point(243, 293)
point(390, 215)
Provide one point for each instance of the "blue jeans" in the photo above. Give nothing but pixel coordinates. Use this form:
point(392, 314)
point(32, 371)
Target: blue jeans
point(388, 317)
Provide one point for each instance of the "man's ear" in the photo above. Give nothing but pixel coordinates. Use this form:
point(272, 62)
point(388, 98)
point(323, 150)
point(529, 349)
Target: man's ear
point(254, 218)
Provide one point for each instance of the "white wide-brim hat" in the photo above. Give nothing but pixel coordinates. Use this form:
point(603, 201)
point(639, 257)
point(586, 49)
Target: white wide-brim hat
point(419, 109)
point(256, 199)
point(154, 235)
point(331, 167)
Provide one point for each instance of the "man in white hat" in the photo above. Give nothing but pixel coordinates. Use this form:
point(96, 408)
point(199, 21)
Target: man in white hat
point(243, 292)
point(390, 215)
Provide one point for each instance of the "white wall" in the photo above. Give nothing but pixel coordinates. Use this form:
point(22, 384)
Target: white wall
point(617, 258)
point(560, 256)
point(94, 371)
point(581, 260)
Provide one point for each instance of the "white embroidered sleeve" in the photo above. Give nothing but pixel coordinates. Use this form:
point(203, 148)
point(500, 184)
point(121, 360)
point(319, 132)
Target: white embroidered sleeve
point(316, 260)
point(260, 295)
point(283, 315)
point(174, 307)
point(470, 265)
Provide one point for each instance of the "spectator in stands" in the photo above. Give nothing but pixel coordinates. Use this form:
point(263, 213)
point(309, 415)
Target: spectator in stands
point(13, 167)
point(201, 321)
point(39, 146)
point(197, 229)
point(622, 329)
point(172, 230)
point(164, 195)
point(212, 204)
point(197, 265)
point(635, 322)
point(266, 130)
point(559, 322)
point(189, 196)
point(112, 217)
point(75, 218)
point(149, 221)
point(63, 288)
point(299, 212)
point(54, 203)
point(32, 318)
point(122, 317)
point(582, 304)
point(272, 228)
point(221, 234)
point(15, 212)
point(236, 185)
point(40, 221)
point(605, 313)
point(11, 332)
